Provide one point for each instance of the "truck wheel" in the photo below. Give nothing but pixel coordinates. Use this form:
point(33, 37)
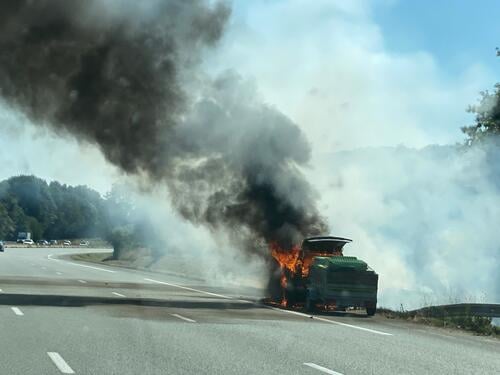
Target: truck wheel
point(274, 289)
point(370, 311)
point(310, 304)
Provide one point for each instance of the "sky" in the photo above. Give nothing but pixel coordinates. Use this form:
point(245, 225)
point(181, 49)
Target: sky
point(351, 74)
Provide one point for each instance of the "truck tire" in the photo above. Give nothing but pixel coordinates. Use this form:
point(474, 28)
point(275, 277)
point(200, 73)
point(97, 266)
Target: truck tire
point(370, 311)
point(274, 289)
point(310, 304)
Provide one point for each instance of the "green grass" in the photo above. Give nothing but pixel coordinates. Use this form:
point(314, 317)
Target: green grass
point(92, 257)
point(476, 324)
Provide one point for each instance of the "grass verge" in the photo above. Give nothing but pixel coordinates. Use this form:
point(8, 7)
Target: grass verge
point(476, 324)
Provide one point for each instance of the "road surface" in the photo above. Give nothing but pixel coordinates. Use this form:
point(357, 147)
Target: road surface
point(62, 316)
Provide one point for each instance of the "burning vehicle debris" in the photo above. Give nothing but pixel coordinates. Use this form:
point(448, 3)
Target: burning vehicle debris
point(318, 274)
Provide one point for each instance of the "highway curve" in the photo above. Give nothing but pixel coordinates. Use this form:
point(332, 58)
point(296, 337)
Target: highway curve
point(62, 316)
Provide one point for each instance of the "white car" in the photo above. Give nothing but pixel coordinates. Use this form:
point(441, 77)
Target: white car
point(84, 243)
point(28, 242)
point(67, 243)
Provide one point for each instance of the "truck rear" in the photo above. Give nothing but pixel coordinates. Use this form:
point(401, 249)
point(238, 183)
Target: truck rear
point(342, 282)
point(318, 274)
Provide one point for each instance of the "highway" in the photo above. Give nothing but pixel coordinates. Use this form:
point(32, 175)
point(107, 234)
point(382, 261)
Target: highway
point(62, 316)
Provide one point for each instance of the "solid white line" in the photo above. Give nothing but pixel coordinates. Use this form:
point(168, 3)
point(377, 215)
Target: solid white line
point(323, 369)
point(17, 311)
point(60, 363)
point(118, 294)
point(184, 318)
point(191, 289)
point(81, 265)
point(330, 321)
point(274, 308)
point(82, 281)
point(94, 268)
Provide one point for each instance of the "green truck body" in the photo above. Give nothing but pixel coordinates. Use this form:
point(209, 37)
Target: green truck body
point(322, 276)
point(343, 282)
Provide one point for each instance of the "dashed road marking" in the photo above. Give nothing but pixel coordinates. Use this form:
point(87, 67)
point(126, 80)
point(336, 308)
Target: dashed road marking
point(60, 363)
point(118, 294)
point(59, 273)
point(322, 369)
point(191, 289)
point(184, 318)
point(17, 311)
point(82, 281)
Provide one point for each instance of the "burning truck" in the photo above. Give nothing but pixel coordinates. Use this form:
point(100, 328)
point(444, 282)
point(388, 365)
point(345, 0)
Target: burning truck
point(317, 274)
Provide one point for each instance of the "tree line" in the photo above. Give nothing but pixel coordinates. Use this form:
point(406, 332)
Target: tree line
point(51, 210)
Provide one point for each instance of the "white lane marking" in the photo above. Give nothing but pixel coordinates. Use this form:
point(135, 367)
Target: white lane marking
point(330, 321)
point(17, 311)
point(184, 318)
point(82, 281)
point(81, 265)
point(60, 363)
point(94, 268)
point(117, 294)
point(322, 369)
point(1, 291)
point(59, 273)
point(191, 289)
point(273, 308)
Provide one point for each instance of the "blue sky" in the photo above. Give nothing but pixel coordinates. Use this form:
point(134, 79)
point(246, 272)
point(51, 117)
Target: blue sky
point(364, 73)
point(458, 33)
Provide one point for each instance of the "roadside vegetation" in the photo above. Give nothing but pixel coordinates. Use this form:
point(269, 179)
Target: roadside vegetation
point(58, 211)
point(476, 324)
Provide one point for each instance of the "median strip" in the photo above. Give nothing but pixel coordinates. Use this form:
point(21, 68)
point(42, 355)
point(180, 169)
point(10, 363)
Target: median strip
point(322, 369)
point(184, 318)
point(60, 363)
point(17, 311)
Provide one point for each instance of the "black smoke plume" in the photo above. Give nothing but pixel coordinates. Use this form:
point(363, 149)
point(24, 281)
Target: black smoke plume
point(125, 75)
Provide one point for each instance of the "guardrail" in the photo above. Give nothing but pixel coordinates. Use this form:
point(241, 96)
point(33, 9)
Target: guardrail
point(460, 309)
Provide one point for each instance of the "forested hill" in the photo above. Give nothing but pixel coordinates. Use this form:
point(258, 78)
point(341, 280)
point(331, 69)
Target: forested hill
point(50, 210)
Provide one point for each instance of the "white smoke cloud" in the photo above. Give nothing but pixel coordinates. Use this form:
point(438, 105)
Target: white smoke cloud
point(26, 149)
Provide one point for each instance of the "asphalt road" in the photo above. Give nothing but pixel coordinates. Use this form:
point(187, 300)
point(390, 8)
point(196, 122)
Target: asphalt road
point(61, 316)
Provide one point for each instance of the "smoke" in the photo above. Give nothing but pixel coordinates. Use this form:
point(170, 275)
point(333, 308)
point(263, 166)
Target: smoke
point(126, 76)
point(425, 219)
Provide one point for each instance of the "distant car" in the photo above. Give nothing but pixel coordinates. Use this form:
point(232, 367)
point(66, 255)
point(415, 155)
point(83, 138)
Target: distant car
point(2, 246)
point(53, 242)
point(28, 242)
point(84, 243)
point(67, 243)
point(43, 243)
point(20, 240)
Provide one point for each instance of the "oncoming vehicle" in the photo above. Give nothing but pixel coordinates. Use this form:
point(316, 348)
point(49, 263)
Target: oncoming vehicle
point(84, 243)
point(66, 243)
point(318, 274)
point(43, 243)
point(28, 242)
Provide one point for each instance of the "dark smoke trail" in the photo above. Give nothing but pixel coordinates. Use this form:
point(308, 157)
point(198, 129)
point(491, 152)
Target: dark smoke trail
point(115, 73)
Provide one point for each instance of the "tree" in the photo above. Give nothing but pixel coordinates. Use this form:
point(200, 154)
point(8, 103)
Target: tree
point(487, 122)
